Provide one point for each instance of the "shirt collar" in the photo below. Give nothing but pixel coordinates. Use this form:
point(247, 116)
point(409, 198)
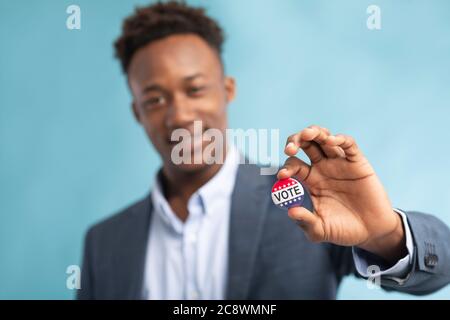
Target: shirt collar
point(222, 183)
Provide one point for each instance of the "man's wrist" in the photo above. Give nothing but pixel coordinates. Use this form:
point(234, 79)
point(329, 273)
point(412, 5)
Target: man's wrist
point(391, 247)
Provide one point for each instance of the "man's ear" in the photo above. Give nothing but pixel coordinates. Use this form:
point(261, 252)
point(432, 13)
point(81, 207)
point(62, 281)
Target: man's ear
point(230, 88)
point(135, 111)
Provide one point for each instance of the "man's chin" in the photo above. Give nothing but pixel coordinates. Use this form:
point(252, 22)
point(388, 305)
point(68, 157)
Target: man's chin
point(191, 167)
point(195, 162)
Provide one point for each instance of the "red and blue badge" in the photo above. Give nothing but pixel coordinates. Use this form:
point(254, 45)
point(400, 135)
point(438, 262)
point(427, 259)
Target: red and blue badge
point(288, 193)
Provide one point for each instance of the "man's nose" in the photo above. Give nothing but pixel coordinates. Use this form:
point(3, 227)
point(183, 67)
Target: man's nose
point(180, 113)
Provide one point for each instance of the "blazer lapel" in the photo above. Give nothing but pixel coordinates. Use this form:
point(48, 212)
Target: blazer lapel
point(248, 211)
point(129, 263)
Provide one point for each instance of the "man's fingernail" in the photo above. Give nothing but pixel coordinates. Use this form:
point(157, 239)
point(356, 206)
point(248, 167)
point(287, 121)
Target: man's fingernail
point(290, 145)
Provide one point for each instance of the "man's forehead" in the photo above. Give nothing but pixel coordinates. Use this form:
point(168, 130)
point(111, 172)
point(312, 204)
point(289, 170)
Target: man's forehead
point(178, 55)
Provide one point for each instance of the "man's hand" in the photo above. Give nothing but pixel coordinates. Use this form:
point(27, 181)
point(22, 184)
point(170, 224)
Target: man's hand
point(351, 207)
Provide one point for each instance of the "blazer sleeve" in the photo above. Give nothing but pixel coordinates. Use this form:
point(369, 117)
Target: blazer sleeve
point(430, 270)
point(430, 267)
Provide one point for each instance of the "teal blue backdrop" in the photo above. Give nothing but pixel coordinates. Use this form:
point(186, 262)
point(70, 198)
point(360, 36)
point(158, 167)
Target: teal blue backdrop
point(71, 152)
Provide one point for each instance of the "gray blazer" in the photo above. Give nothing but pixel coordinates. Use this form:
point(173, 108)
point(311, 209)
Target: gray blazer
point(269, 256)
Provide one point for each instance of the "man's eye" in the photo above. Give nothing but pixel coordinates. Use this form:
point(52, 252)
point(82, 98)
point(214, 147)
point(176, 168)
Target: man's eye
point(195, 90)
point(154, 101)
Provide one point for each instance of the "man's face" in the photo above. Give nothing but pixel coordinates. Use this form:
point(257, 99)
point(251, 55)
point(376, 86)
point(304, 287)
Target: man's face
point(176, 81)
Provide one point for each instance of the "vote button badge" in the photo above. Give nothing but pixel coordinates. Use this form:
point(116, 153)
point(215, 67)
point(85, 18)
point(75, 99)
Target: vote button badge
point(287, 193)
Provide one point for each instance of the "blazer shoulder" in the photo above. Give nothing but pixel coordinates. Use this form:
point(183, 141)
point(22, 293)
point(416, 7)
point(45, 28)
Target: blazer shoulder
point(121, 219)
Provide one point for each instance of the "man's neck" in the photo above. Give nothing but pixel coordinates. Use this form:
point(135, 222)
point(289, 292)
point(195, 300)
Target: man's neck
point(178, 186)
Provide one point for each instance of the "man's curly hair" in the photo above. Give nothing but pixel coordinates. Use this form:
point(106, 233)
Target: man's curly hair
point(163, 19)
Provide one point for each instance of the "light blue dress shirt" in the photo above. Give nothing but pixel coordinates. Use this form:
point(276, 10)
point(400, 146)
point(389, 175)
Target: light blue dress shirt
point(189, 260)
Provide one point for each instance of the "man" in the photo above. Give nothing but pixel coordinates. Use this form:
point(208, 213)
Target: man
point(209, 230)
